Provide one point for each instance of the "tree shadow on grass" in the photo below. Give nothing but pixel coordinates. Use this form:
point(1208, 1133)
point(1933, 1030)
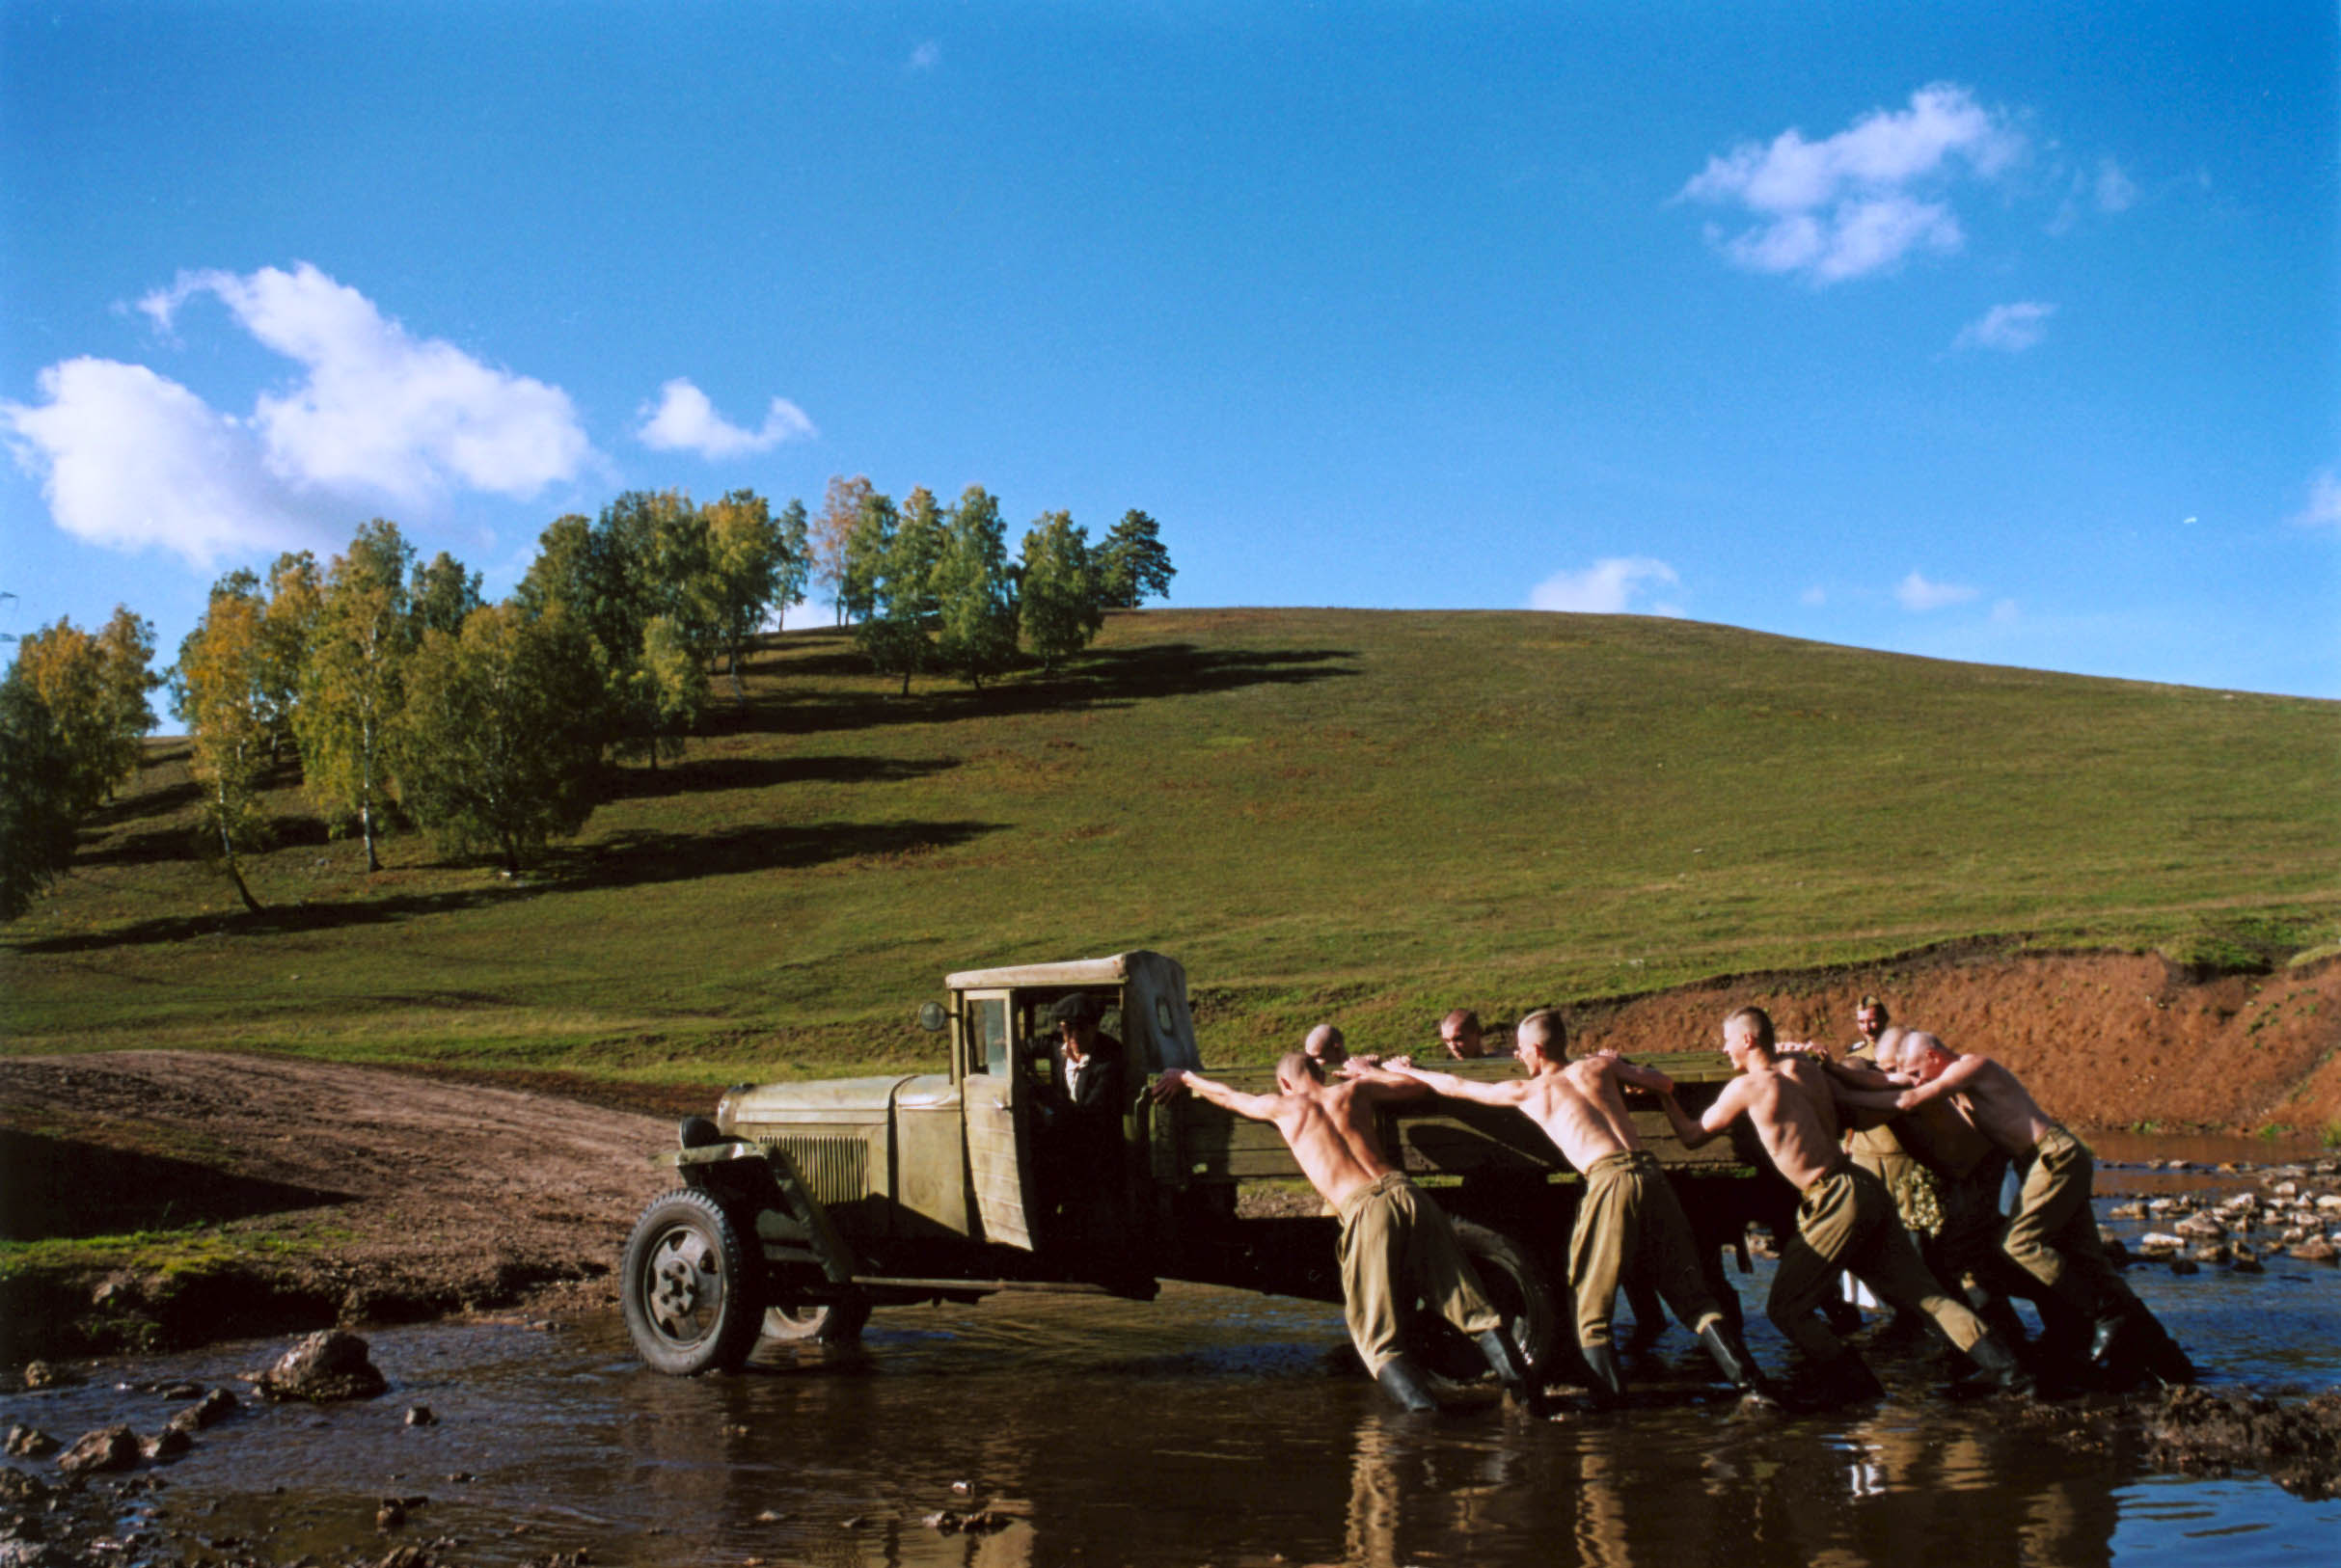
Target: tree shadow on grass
point(707, 774)
point(625, 860)
point(1100, 679)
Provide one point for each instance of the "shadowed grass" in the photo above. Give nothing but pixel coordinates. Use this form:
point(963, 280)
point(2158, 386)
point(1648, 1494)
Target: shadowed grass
point(1375, 813)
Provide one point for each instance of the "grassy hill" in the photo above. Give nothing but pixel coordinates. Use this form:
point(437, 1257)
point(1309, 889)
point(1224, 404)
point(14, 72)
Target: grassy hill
point(1366, 815)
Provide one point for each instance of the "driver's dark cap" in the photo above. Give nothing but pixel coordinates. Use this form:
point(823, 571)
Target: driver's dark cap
point(1077, 1009)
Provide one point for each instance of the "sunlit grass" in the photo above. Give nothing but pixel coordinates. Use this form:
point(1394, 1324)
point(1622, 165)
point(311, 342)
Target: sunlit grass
point(1319, 812)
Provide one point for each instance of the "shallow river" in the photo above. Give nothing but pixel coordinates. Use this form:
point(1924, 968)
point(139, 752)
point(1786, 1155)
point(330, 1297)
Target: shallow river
point(1207, 1427)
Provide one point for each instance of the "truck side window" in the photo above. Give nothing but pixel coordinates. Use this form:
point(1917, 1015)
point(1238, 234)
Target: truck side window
point(989, 1017)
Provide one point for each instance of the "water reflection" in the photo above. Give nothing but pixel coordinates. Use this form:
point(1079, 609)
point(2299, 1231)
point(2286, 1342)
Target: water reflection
point(1206, 1428)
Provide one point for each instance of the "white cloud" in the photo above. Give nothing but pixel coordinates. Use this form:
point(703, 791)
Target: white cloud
point(2003, 612)
point(2113, 190)
point(1917, 595)
point(926, 57)
point(2010, 328)
point(686, 422)
point(2324, 508)
point(129, 458)
point(1860, 200)
point(1615, 586)
point(1813, 598)
point(381, 410)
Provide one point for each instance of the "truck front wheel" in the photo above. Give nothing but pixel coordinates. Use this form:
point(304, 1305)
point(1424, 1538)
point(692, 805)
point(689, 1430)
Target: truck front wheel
point(690, 1302)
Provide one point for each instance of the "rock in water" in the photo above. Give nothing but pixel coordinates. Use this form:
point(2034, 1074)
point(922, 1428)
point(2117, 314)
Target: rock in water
point(28, 1443)
point(109, 1447)
point(326, 1367)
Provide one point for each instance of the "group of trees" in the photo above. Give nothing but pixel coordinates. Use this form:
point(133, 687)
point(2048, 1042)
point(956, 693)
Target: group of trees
point(403, 695)
point(933, 588)
point(73, 712)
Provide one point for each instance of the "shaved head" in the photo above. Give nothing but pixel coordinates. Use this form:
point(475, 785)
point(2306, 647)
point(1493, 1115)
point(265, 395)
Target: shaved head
point(1545, 1030)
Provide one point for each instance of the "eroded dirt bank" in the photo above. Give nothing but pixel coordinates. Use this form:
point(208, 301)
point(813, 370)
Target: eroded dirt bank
point(2105, 1040)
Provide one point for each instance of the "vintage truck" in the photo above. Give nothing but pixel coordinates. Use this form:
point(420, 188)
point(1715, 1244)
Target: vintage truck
point(805, 1205)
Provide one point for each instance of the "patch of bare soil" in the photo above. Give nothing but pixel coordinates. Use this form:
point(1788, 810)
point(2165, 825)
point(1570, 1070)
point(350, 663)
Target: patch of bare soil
point(2103, 1040)
point(344, 1194)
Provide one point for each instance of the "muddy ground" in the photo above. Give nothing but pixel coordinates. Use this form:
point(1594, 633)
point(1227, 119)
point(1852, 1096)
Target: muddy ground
point(360, 1195)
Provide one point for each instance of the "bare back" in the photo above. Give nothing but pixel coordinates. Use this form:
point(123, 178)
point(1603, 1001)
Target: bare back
point(1581, 1110)
point(1329, 1128)
point(1998, 1104)
point(1795, 1127)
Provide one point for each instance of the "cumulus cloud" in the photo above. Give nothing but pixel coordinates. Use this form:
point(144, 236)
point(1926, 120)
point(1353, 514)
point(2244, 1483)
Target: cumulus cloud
point(2324, 508)
point(130, 458)
point(1615, 586)
point(686, 422)
point(381, 410)
point(1860, 201)
point(928, 55)
point(1917, 595)
point(2011, 329)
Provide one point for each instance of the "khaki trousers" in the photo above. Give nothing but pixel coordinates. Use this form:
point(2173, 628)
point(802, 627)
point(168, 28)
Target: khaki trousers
point(1631, 1226)
point(1398, 1248)
point(1846, 1221)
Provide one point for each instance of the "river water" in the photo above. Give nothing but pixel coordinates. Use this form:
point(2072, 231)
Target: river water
point(1210, 1427)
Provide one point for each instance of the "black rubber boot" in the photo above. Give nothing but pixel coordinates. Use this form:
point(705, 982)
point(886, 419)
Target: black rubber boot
point(1403, 1381)
point(1847, 1379)
point(1508, 1365)
point(2109, 1338)
point(1609, 1382)
point(1732, 1360)
point(2164, 1361)
point(2000, 1363)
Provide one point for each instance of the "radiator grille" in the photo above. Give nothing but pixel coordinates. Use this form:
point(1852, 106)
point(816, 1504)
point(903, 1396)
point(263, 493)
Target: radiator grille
point(836, 1169)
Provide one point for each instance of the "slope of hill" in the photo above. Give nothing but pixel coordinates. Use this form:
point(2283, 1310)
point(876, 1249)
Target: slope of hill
point(1370, 816)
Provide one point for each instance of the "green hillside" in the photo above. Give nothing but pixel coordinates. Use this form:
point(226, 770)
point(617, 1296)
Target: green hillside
point(1365, 814)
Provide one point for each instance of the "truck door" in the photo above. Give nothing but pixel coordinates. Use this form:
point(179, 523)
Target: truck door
point(999, 1120)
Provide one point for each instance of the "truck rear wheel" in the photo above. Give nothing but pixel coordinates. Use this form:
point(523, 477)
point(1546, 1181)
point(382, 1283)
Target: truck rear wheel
point(824, 1323)
point(1535, 1311)
point(689, 1301)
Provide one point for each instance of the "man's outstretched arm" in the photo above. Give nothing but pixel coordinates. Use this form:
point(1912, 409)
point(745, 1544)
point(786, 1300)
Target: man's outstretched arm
point(1507, 1091)
point(1256, 1107)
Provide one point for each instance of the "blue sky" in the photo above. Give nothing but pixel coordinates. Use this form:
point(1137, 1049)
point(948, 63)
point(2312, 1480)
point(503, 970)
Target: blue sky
point(2007, 333)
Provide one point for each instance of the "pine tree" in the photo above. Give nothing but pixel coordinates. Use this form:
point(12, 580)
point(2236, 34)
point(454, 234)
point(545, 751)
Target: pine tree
point(1131, 562)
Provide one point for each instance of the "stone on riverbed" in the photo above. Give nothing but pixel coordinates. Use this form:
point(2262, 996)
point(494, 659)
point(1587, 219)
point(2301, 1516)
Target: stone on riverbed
point(324, 1368)
point(109, 1447)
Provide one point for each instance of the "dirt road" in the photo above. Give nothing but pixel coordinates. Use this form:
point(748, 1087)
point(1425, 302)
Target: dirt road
point(344, 1192)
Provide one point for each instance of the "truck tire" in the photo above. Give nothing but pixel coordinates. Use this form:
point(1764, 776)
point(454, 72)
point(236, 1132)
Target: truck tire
point(822, 1322)
point(1536, 1310)
point(689, 1296)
